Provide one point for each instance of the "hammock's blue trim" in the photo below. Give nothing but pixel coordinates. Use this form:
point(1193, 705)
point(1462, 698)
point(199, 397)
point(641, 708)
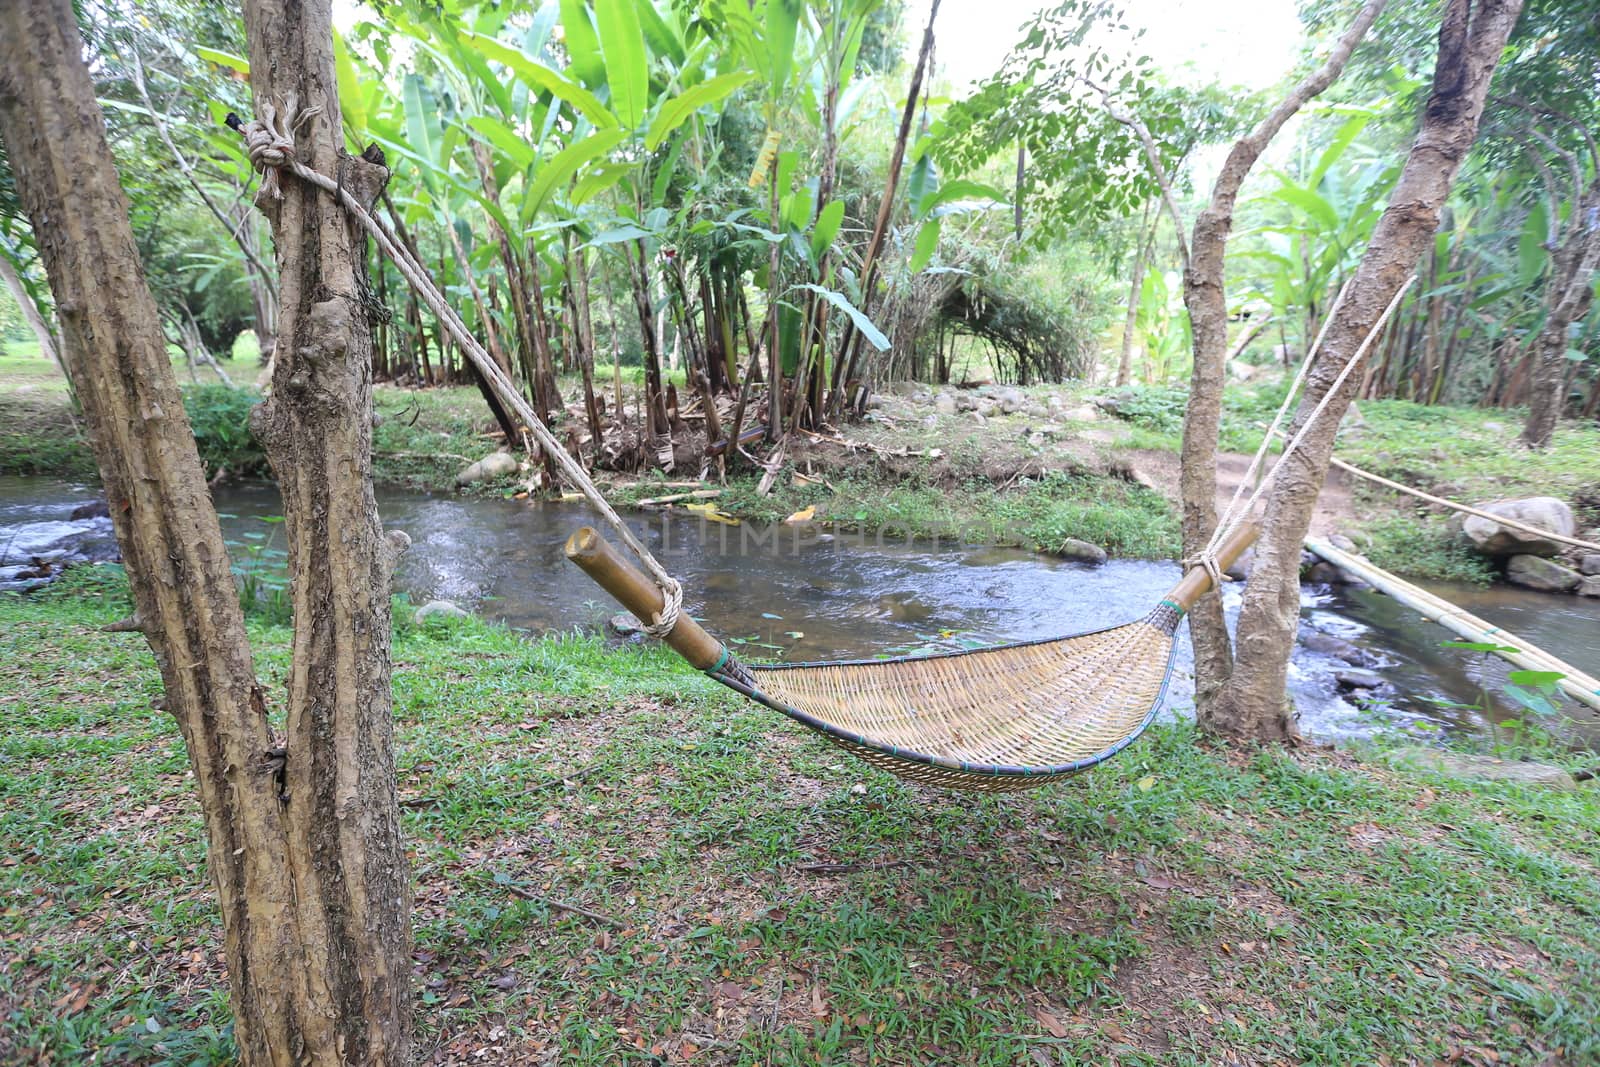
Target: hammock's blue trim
point(992, 770)
point(722, 661)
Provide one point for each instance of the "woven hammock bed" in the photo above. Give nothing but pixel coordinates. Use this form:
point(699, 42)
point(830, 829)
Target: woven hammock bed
point(995, 719)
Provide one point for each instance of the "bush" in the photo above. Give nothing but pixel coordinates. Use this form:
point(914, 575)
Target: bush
point(220, 418)
point(1418, 549)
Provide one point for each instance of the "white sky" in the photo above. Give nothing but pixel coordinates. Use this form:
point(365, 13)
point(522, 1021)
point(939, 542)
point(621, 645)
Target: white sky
point(1251, 43)
point(1195, 42)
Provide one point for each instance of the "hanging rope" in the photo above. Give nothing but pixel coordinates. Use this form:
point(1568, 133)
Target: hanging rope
point(1236, 514)
point(270, 143)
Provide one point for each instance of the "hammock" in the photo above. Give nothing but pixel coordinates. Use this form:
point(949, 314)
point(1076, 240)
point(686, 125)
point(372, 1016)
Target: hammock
point(993, 719)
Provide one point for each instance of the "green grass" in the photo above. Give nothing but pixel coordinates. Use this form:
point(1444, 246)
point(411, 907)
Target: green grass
point(1406, 544)
point(1179, 905)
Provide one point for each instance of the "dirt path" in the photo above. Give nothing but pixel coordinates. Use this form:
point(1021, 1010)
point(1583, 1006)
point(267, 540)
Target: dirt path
point(1159, 470)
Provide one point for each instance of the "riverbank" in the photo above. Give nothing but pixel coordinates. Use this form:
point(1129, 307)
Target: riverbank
point(1050, 468)
point(755, 896)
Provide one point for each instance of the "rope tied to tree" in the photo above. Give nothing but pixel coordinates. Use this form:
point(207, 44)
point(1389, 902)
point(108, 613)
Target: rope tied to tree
point(274, 159)
point(1238, 513)
point(269, 141)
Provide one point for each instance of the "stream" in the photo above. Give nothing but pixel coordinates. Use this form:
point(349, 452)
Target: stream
point(805, 593)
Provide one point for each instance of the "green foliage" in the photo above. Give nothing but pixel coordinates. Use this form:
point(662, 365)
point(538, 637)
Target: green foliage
point(220, 418)
point(1418, 549)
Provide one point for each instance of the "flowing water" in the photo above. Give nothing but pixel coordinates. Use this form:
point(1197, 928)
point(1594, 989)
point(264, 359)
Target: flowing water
point(804, 593)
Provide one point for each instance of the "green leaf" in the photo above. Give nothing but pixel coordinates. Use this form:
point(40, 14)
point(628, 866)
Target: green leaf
point(627, 70)
point(1479, 646)
point(559, 169)
point(422, 128)
point(597, 180)
point(663, 36)
point(352, 105)
point(783, 17)
point(583, 47)
point(1531, 253)
point(223, 59)
point(545, 79)
point(1341, 140)
point(677, 110)
point(962, 189)
point(1535, 677)
point(922, 185)
point(873, 335)
point(927, 245)
point(625, 232)
point(504, 139)
point(1308, 202)
point(829, 219)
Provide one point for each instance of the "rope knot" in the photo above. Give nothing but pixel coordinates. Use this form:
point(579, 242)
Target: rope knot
point(269, 141)
point(671, 608)
point(1209, 562)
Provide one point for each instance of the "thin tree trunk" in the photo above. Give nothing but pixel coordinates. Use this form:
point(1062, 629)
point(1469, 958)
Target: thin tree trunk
point(304, 845)
point(1473, 34)
point(583, 331)
point(845, 368)
point(1205, 295)
point(346, 854)
point(1569, 293)
point(1135, 288)
point(30, 311)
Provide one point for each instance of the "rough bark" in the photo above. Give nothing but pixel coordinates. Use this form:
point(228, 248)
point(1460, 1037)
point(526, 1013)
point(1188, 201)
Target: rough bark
point(1473, 35)
point(1131, 321)
point(1205, 295)
point(1567, 297)
point(286, 1010)
point(346, 858)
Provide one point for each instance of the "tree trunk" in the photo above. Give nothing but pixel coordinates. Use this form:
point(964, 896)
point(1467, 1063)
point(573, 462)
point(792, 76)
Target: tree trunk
point(1135, 288)
point(30, 311)
point(1253, 703)
point(1205, 295)
point(346, 857)
point(308, 867)
point(583, 333)
point(1569, 293)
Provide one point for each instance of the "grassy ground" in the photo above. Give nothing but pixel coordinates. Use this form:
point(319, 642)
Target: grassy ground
point(767, 900)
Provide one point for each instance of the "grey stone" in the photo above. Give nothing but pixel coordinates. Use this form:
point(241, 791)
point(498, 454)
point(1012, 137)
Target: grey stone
point(494, 465)
point(1322, 573)
point(1544, 512)
point(439, 609)
point(1536, 572)
point(988, 407)
point(944, 404)
point(1342, 543)
point(1590, 586)
point(624, 625)
point(977, 417)
point(1239, 569)
point(1338, 648)
point(1357, 678)
point(1012, 401)
point(1589, 563)
point(1081, 551)
point(1483, 768)
point(1083, 413)
point(930, 421)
